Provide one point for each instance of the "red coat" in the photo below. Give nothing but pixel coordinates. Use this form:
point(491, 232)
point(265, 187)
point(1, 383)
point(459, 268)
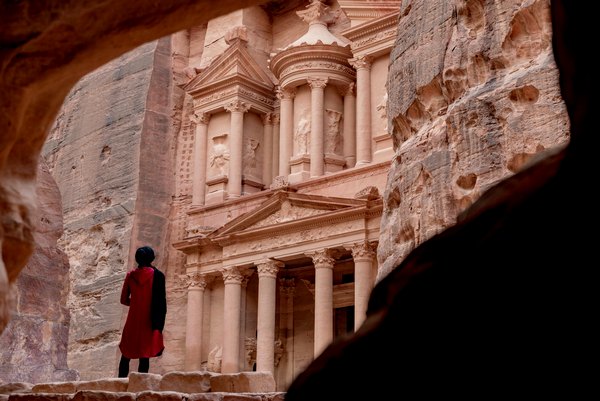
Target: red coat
point(139, 340)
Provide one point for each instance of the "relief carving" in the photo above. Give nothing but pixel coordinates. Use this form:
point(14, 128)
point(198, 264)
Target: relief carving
point(215, 357)
point(302, 135)
point(250, 147)
point(382, 110)
point(333, 138)
point(219, 159)
point(287, 212)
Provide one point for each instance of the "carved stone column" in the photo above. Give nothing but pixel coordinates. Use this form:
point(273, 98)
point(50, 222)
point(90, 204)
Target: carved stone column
point(267, 171)
point(275, 154)
point(286, 131)
point(231, 320)
point(287, 288)
point(363, 109)
point(193, 332)
point(237, 108)
point(265, 338)
point(317, 110)
point(323, 299)
point(349, 126)
point(199, 184)
point(363, 254)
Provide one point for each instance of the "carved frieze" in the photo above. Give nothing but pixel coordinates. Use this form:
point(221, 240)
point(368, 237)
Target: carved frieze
point(376, 37)
point(214, 96)
point(287, 212)
point(317, 65)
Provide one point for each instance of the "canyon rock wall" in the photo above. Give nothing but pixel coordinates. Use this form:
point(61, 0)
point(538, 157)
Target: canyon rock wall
point(110, 153)
point(33, 347)
point(473, 96)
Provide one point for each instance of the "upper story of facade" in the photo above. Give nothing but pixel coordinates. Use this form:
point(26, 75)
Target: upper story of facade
point(287, 93)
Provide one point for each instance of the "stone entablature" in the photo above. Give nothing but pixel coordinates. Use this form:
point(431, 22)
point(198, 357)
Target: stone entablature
point(374, 38)
point(361, 11)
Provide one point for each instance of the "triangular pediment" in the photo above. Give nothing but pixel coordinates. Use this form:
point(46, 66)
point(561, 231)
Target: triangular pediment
point(286, 208)
point(236, 61)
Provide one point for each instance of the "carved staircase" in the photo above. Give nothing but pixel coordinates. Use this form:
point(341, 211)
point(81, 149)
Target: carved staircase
point(173, 386)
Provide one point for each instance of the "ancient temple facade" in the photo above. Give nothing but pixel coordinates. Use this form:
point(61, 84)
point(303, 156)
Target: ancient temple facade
point(286, 166)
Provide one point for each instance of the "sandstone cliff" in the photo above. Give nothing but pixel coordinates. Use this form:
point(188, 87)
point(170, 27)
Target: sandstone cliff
point(473, 95)
point(110, 154)
point(33, 347)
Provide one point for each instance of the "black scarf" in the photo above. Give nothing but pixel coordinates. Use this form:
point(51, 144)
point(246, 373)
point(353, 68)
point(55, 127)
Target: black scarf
point(158, 307)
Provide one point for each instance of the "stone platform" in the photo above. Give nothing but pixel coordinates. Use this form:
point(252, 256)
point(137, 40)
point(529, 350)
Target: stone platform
point(173, 386)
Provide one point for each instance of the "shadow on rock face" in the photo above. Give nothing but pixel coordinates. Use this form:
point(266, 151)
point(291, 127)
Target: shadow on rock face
point(500, 303)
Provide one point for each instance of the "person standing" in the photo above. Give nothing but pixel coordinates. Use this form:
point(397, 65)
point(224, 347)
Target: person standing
point(145, 294)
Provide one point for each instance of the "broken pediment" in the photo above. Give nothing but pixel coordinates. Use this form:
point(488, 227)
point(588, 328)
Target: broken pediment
point(286, 208)
point(235, 62)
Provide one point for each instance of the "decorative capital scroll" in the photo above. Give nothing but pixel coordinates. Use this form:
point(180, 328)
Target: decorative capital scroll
point(237, 105)
point(268, 268)
point(349, 90)
point(322, 259)
point(275, 118)
point(199, 117)
point(285, 93)
point(232, 275)
point(317, 82)
point(197, 281)
point(361, 62)
point(363, 251)
point(287, 286)
point(267, 118)
point(316, 13)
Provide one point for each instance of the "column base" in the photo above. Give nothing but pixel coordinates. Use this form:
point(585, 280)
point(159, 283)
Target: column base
point(217, 190)
point(384, 148)
point(334, 163)
point(300, 166)
point(251, 185)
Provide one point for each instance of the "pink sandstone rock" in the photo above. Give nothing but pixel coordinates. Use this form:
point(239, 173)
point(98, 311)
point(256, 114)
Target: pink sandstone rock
point(103, 396)
point(244, 382)
point(163, 396)
point(116, 385)
point(63, 388)
point(143, 382)
point(186, 382)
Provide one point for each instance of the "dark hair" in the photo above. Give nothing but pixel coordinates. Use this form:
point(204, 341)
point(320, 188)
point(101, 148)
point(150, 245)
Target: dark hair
point(144, 256)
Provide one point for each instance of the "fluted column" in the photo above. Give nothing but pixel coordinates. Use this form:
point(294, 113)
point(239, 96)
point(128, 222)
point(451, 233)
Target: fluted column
point(363, 109)
point(265, 341)
point(323, 299)
point(349, 126)
point(199, 175)
point(237, 108)
point(275, 154)
point(193, 330)
point(286, 130)
point(267, 171)
point(231, 320)
point(317, 110)
point(363, 255)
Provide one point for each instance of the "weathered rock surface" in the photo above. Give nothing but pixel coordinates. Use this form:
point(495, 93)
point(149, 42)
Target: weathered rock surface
point(33, 347)
point(473, 95)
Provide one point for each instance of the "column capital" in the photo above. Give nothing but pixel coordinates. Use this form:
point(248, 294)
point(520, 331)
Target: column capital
point(348, 90)
point(232, 275)
point(363, 250)
point(322, 258)
point(276, 118)
point(237, 105)
point(318, 83)
point(268, 268)
point(287, 286)
point(361, 62)
point(267, 118)
point(200, 117)
point(285, 93)
point(198, 280)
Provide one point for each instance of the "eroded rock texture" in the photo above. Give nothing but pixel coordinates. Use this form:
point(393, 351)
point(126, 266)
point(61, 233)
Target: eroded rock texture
point(110, 152)
point(473, 95)
point(33, 347)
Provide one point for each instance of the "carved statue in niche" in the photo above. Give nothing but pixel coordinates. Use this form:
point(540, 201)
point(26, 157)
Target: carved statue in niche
point(302, 135)
point(333, 137)
point(219, 159)
point(382, 110)
point(250, 147)
point(214, 360)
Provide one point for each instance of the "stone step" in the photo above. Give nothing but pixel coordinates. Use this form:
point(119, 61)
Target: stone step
point(173, 386)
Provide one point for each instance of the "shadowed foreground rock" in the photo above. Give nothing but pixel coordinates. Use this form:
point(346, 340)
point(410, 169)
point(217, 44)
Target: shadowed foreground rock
point(501, 302)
